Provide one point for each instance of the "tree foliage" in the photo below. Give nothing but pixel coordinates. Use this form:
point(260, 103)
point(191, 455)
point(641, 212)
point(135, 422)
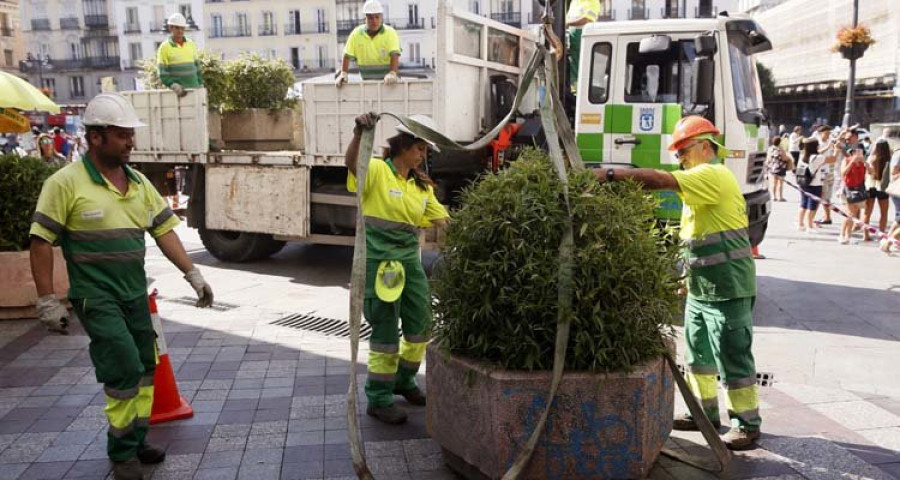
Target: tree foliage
point(496, 287)
point(21, 180)
point(766, 81)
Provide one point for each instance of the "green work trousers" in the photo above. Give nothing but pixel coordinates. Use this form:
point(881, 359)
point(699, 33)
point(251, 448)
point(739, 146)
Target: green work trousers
point(719, 338)
point(393, 363)
point(123, 350)
point(574, 35)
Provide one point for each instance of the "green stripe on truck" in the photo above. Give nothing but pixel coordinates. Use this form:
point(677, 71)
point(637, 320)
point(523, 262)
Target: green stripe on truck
point(618, 119)
point(671, 115)
point(591, 146)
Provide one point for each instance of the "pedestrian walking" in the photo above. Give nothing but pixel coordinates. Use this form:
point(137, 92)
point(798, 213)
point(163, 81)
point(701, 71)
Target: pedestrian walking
point(397, 200)
point(98, 210)
point(794, 140)
point(721, 278)
point(374, 46)
point(177, 60)
point(893, 189)
point(853, 178)
point(877, 171)
point(826, 141)
point(778, 162)
point(809, 178)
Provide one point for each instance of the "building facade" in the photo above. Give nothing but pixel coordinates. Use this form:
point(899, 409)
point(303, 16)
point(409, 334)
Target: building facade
point(811, 79)
point(142, 27)
point(10, 36)
point(618, 10)
point(301, 33)
point(69, 46)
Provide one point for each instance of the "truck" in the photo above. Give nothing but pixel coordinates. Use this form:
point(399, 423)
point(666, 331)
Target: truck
point(637, 78)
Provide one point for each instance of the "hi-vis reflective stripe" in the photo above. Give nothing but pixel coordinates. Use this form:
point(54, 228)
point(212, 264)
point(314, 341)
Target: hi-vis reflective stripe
point(740, 383)
point(110, 234)
point(390, 224)
point(48, 223)
point(717, 237)
point(161, 217)
point(721, 257)
point(126, 394)
point(138, 422)
point(109, 256)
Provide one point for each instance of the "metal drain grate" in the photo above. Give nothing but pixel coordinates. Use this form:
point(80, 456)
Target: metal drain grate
point(325, 326)
point(763, 379)
point(217, 306)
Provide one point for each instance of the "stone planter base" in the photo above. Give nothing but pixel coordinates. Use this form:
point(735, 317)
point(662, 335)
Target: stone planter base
point(609, 426)
point(18, 294)
point(261, 129)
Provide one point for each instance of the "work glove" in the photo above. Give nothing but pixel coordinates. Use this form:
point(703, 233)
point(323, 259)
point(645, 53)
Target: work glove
point(204, 291)
point(340, 79)
point(53, 314)
point(365, 122)
point(391, 78)
point(178, 89)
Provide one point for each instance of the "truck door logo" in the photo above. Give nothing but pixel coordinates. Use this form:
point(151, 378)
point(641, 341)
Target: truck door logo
point(647, 119)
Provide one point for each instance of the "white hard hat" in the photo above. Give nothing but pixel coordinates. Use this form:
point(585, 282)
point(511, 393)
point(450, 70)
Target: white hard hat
point(372, 7)
point(111, 109)
point(426, 122)
point(177, 20)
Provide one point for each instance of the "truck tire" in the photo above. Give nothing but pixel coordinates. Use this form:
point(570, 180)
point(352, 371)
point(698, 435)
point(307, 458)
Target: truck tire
point(239, 246)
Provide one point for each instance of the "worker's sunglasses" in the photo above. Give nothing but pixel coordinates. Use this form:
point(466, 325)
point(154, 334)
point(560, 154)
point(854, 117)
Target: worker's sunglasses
point(683, 151)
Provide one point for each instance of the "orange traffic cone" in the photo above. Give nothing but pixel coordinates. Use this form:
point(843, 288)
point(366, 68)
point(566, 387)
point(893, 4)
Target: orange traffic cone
point(168, 404)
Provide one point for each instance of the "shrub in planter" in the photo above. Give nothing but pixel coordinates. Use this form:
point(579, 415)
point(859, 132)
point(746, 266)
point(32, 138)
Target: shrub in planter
point(21, 180)
point(495, 329)
point(254, 82)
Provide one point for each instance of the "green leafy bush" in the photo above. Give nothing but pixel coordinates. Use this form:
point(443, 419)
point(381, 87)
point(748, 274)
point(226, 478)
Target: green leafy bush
point(254, 82)
point(496, 288)
point(21, 180)
point(211, 68)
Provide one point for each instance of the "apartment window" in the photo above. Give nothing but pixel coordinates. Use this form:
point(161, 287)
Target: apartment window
point(414, 53)
point(413, 13)
point(159, 17)
point(243, 24)
point(4, 25)
point(185, 10)
point(321, 22)
point(268, 24)
point(475, 7)
point(217, 29)
point(74, 50)
point(136, 53)
point(293, 22)
point(8, 58)
point(295, 58)
point(50, 84)
point(323, 57)
point(76, 86)
point(131, 19)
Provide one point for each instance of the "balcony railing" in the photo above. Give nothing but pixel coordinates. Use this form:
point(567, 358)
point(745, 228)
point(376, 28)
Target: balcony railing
point(638, 13)
point(672, 12)
point(406, 23)
point(706, 12)
point(40, 24)
point(101, 62)
point(513, 19)
point(67, 64)
point(267, 31)
point(131, 28)
point(5, 32)
point(158, 27)
point(96, 21)
point(131, 64)
point(69, 23)
point(305, 28)
point(344, 27)
point(240, 31)
point(310, 66)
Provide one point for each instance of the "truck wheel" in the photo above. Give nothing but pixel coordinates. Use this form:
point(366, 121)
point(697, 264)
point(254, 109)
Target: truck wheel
point(239, 246)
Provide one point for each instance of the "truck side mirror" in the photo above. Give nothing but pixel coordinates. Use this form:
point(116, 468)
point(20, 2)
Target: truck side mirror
point(704, 81)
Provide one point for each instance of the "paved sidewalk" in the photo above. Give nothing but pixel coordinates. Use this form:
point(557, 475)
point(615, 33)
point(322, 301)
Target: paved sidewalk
point(269, 400)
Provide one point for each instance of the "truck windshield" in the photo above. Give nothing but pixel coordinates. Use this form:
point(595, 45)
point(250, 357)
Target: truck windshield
point(745, 81)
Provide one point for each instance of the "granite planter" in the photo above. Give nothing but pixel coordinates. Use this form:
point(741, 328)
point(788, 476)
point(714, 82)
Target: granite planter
point(609, 426)
point(18, 295)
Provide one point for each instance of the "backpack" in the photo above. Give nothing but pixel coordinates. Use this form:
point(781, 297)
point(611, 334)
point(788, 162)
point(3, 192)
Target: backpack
point(804, 174)
point(855, 176)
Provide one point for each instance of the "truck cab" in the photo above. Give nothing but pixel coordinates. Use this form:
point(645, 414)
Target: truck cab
point(638, 78)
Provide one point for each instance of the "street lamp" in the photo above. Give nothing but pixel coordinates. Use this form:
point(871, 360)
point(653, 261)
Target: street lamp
point(40, 62)
point(851, 82)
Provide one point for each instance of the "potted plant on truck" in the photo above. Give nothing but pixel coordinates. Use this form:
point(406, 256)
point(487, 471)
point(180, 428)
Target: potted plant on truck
point(20, 185)
point(489, 366)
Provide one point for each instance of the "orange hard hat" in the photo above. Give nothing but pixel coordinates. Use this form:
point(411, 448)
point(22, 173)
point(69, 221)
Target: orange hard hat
point(691, 127)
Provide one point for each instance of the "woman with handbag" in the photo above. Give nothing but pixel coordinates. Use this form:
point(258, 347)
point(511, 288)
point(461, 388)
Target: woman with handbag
point(877, 171)
point(893, 189)
point(778, 162)
point(853, 175)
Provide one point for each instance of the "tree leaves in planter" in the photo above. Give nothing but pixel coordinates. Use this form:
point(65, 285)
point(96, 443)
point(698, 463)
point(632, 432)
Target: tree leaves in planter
point(21, 180)
point(496, 285)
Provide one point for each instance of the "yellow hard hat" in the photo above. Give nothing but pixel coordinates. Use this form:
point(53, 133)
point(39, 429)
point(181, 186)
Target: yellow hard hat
point(389, 280)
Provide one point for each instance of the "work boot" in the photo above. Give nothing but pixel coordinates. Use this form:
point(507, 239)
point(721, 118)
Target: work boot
point(737, 439)
point(414, 396)
point(686, 423)
point(128, 470)
point(150, 453)
point(391, 414)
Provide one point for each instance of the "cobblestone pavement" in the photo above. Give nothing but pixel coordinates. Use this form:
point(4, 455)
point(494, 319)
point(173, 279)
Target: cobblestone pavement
point(269, 400)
